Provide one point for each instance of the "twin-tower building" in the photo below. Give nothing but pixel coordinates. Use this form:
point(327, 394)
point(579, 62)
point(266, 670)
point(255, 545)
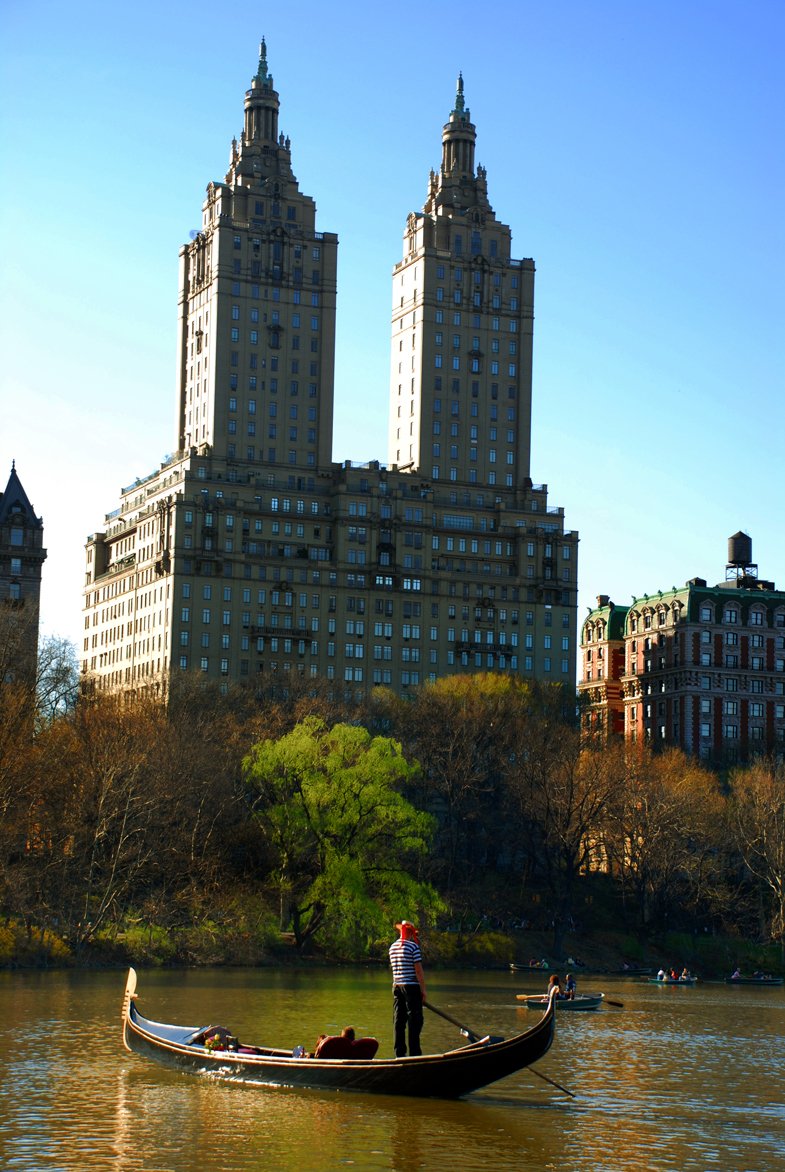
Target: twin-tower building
point(249, 555)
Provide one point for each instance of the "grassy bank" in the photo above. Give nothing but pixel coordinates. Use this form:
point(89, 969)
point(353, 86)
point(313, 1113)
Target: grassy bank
point(261, 944)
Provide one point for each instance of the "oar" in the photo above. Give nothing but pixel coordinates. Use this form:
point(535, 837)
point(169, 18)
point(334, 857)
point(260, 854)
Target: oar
point(618, 1004)
point(553, 1083)
point(470, 1034)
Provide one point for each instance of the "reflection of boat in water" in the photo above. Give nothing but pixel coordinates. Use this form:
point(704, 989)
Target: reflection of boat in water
point(764, 981)
point(673, 981)
point(578, 1002)
point(443, 1076)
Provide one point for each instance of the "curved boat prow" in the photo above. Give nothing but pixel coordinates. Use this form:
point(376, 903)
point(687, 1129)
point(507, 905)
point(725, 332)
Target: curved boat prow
point(130, 993)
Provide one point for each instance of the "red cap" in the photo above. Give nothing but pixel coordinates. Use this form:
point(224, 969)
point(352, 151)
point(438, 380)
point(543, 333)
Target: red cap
point(406, 928)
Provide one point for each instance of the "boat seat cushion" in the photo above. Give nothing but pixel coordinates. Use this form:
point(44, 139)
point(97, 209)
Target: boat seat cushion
point(364, 1048)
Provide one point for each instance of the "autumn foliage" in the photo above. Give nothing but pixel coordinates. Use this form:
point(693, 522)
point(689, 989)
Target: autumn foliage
point(211, 823)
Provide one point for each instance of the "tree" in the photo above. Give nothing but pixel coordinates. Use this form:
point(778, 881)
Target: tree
point(29, 701)
point(559, 786)
point(459, 730)
point(57, 683)
point(757, 813)
point(345, 840)
point(664, 834)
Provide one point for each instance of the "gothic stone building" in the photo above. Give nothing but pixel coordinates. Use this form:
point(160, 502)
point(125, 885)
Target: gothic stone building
point(22, 556)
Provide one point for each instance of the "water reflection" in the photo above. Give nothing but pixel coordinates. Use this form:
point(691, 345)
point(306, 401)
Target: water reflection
point(691, 1082)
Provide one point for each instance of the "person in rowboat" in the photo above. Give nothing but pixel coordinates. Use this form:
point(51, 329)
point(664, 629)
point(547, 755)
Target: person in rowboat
point(569, 987)
point(408, 989)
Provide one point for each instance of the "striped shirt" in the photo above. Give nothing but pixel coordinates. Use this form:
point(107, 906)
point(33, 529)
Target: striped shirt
point(404, 955)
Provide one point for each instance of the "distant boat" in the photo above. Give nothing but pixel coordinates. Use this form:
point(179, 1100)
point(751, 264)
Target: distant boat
point(578, 1002)
point(672, 981)
point(630, 971)
point(755, 981)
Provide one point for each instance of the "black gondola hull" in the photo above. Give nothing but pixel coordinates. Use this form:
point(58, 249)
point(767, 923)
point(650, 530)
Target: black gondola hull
point(446, 1076)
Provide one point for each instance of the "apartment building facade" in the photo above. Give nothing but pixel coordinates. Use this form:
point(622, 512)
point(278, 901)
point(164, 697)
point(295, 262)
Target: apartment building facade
point(249, 555)
point(701, 667)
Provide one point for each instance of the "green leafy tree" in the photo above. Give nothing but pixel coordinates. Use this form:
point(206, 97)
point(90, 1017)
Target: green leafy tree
point(346, 842)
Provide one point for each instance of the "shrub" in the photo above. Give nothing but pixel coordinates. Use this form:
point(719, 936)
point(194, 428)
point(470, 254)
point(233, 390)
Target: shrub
point(479, 948)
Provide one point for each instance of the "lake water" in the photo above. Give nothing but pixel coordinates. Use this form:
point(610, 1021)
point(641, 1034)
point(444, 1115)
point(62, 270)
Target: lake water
point(679, 1078)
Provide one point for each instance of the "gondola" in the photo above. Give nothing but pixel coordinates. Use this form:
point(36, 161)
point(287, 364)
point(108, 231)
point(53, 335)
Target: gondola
point(443, 1076)
point(580, 1001)
point(765, 981)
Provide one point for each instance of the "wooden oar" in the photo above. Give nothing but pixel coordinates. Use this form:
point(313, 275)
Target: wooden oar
point(470, 1034)
point(618, 1004)
point(473, 1037)
point(553, 1083)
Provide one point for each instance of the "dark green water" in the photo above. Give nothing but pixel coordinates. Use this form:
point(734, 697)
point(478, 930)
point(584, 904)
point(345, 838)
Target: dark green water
point(677, 1079)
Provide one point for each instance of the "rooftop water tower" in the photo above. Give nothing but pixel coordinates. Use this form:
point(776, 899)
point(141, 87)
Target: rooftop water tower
point(740, 568)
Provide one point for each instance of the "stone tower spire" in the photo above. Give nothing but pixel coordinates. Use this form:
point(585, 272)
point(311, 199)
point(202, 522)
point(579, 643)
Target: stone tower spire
point(458, 139)
point(261, 106)
point(459, 184)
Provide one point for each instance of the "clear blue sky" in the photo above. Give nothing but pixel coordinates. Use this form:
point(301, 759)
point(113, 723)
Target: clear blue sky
point(635, 149)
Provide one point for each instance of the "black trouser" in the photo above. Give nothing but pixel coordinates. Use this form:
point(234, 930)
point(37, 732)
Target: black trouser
point(407, 1010)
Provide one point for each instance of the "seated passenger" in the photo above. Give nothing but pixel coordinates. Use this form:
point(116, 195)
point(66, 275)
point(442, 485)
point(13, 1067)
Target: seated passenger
point(336, 1045)
point(345, 1045)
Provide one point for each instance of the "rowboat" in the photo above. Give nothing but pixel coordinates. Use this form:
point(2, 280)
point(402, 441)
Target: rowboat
point(443, 1076)
point(578, 1002)
point(755, 981)
point(671, 981)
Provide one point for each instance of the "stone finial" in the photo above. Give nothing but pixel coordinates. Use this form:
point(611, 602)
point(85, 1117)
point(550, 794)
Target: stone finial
point(261, 73)
point(459, 100)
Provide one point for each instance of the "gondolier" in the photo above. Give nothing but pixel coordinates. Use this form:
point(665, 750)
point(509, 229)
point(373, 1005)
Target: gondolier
point(408, 989)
